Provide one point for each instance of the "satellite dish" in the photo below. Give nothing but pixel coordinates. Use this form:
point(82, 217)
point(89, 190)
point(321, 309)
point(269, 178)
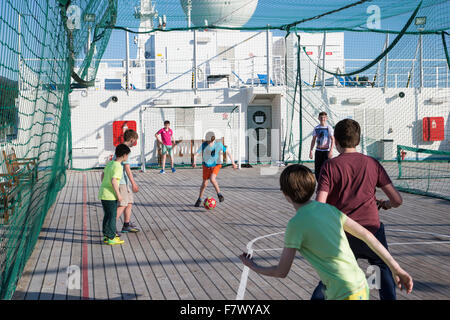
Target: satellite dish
point(229, 13)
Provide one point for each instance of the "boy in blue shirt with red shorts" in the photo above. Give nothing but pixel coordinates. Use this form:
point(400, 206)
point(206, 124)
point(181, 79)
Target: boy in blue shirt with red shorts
point(210, 149)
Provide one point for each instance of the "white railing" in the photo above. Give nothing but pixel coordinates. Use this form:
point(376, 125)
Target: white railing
point(251, 72)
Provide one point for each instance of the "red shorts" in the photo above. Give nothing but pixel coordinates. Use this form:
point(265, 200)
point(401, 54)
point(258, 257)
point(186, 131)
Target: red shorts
point(208, 171)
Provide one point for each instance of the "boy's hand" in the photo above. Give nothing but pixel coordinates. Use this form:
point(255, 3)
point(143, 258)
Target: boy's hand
point(119, 198)
point(330, 154)
point(403, 280)
point(194, 165)
point(385, 204)
point(135, 188)
point(247, 260)
point(234, 166)
point(310, 154)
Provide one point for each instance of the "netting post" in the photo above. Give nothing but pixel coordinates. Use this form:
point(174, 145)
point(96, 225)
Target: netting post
point(421, 61)
point(268, 58)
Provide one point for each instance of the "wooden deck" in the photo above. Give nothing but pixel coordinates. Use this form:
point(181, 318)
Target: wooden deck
point(183, 252)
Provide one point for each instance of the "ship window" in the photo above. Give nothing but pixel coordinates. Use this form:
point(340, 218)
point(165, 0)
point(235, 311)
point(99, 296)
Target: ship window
point(113, 84)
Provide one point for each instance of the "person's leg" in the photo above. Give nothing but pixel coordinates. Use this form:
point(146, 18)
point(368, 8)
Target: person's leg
point(123, 204)
point(171, 157)
point(164, 161)
point(320, 158)
point(362, 251)
point(127, 215)
point(319, 292)
point(387, 283)
point(215, 183)
point(109, 219)
point(317, 164)
point(203, 188)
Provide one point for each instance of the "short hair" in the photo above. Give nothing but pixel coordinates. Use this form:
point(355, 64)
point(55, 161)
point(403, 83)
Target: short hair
point(298, 182)
point(347, 133)
point(122, 150)
point(323, 113)
point(210, 136)
point(130, 134)
point(166, 122)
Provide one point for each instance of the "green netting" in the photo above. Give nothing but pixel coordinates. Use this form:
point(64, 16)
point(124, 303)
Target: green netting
point(35, 75)
point(423, 171)
point(49, 47)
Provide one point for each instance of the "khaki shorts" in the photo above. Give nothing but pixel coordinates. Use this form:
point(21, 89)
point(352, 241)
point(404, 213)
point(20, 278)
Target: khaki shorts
point(126, 194)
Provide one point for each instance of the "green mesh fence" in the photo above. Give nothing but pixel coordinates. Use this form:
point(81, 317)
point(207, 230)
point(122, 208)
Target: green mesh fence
point(37, 47)
point(423, 171)
point(50, 47)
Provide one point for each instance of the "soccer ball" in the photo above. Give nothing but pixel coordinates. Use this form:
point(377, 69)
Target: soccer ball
point(209, 203)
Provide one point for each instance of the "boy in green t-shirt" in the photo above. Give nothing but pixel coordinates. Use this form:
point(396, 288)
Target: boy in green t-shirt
point(317, 232)
point(109, 194)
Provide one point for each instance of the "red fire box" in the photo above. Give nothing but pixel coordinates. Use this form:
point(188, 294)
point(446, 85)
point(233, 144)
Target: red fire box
point(119, 127)
point(433, 128)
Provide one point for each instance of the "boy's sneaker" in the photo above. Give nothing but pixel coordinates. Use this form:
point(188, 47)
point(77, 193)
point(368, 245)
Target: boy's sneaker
point(131, 224)
point(105, 238)
point(114, 241)
point(162, 171)
point(129, 228)
point(198, 203)
point(221, 198)
point(173, 170)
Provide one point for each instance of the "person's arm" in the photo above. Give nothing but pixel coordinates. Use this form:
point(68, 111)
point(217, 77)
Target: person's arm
point(313, 142)
point(322, 196)
point(129, 173)
point(330, 153)
point(173, 139)
point(395, 199)
point(231, 158)
point(199, 151)
point(401, 277)
point(115, 184)
point(158, 137)
point(279, 271)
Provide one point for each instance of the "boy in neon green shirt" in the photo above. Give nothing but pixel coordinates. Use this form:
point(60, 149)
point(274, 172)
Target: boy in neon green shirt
point(109, 194)
point(317, 232)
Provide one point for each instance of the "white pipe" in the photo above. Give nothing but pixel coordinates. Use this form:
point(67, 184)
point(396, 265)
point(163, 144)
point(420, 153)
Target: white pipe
point(142, 136)
point(195, 62)
point(324, 55)
point(421, 60)
point(127, 53)
point(268, 58)
point(239, 136)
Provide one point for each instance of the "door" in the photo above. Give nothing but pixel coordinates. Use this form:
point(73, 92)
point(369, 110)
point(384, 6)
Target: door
point(259, 124)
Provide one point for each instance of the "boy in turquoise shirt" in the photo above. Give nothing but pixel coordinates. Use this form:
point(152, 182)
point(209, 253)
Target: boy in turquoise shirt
point(109, 194)
point(317, 232)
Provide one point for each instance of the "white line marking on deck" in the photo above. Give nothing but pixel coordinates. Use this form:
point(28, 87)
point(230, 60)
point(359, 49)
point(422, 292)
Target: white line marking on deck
point(423, 232)
point(244, 276)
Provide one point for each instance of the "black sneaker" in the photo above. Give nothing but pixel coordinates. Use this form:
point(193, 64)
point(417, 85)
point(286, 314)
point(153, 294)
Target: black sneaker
point(131, 224)
point(198, 203)
point(221, 198)
point(130, 229)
